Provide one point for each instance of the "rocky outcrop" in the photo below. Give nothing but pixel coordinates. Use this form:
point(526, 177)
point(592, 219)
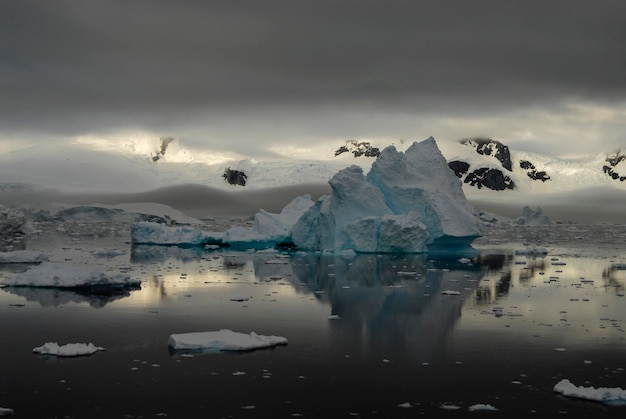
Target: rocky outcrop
point(489, 147)
point(459, 167)
point(235, 177)
point(165, 141)
point(358, 149)
point(532, 172)
point(489, 178)
point(614, 161)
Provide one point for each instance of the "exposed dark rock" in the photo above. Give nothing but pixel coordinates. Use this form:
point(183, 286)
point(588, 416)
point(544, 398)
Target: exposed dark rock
point(489, 147)
point(358, 149)
point(165, 141)
point(535, 175)
point(613, 161)
point(459, 167)
point(525, 164)
point(489, 178)
point(235, 177)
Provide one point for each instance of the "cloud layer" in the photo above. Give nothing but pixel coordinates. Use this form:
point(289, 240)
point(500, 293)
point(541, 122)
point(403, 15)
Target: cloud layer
point(248, 75)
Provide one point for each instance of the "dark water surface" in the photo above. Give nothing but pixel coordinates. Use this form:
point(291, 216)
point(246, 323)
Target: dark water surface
point(401, 346)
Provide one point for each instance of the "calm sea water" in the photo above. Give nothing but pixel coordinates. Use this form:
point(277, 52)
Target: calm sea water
point(410, 335)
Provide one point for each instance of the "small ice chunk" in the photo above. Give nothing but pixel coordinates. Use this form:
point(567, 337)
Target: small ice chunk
point(480, 406)
point(223, 340)
point(405, 405)
point(334, 317)
point(603, 394)
point(5, 411)
point(70, 349)
point(532, 251)
point(446, 406)
point(450, 292)
point(22, 256)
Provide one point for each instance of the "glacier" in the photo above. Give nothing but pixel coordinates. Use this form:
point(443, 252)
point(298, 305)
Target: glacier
point(409, 202)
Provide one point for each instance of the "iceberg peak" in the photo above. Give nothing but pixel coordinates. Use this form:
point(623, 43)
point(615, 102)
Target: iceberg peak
point(409, 202)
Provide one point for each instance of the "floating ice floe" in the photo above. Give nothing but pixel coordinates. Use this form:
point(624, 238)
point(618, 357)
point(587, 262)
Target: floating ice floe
point(70, 349)
point(55, 275)
point(5, 411)
point(532, 251)
point(107, 252)
point(22, 256)
point(603, 394)
point(481, 406)
point(223, 340)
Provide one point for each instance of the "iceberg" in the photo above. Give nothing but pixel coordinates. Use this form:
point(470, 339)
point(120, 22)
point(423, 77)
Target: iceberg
point(409, 202)
point(267, 230)
point(223, 340)
point(532, 217)
point(602, 394)
point(54, 275)
point(70, 349)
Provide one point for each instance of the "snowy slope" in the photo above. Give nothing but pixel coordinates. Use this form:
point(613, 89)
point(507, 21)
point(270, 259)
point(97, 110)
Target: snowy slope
point(127, 165)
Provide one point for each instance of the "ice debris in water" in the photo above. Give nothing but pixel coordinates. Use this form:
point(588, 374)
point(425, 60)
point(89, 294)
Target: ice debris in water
point(70, 349)
point(22, 256)
point(532, 251)
point(56, 275)
point(223, 340)
point(481, 406)
point(603, 394)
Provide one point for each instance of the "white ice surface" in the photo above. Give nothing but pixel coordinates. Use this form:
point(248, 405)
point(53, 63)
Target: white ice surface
point(70, 349)
point(614, 395)
point(22, 256)
point(49, 274)
point(223, 340)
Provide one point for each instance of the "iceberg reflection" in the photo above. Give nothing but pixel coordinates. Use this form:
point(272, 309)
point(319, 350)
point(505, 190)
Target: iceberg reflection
point(54, 297)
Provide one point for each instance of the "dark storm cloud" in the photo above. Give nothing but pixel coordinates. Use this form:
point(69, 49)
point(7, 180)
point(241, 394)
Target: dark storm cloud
point(75, 66)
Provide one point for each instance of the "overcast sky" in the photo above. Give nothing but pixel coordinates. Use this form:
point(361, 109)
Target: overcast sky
point(266, 77)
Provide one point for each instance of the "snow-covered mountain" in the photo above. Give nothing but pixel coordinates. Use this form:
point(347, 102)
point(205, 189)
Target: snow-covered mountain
point(489, 170)
point(135, 165)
